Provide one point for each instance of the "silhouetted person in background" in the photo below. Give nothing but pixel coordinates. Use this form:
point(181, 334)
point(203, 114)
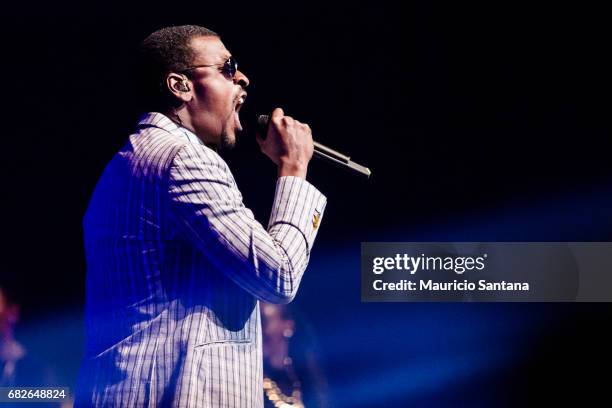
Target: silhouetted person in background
point(12, 353)
point(292, 373)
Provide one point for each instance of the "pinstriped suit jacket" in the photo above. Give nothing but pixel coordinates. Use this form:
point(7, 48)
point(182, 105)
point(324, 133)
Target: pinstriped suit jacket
point(176, 265)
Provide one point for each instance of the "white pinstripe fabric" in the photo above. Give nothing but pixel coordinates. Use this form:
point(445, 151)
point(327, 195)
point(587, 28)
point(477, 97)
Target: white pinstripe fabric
point(176, 265)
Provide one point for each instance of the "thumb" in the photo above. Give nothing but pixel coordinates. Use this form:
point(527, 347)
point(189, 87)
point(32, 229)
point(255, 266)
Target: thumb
point(277, 114)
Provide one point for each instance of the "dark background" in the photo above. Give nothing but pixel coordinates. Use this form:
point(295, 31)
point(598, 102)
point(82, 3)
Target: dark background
point(479, 122)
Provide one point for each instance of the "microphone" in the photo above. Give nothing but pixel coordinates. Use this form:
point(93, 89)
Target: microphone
point(320, 151)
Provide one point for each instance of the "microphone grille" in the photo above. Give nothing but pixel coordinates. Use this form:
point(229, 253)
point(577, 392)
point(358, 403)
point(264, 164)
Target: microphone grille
point(262, 124)
point(262, 121)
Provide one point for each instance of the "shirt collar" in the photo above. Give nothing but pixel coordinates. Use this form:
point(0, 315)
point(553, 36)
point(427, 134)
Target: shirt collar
point(159, 120)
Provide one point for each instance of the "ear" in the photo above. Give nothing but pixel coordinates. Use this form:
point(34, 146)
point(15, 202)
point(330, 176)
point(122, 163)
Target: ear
point(180, 86)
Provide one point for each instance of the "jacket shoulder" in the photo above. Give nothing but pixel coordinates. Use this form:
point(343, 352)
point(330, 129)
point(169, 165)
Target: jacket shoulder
point(152, 150)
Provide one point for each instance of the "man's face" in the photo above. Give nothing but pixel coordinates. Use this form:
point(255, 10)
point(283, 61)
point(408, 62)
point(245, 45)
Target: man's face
point(217, 98)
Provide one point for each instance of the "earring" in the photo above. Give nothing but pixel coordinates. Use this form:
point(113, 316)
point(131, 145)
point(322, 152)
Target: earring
point(182, 86)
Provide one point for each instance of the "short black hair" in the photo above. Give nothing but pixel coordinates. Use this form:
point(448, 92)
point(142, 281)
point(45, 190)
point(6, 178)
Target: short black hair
point(164, 51)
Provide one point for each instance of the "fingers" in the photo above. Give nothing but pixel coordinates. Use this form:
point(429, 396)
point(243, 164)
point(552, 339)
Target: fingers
point(284, 126)
point(288, 121)
point(288, 143)
point(280, 120)
point(278, 117)
point(305, 127)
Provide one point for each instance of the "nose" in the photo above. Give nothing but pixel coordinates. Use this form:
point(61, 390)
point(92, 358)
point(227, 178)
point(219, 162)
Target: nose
point(241, 79)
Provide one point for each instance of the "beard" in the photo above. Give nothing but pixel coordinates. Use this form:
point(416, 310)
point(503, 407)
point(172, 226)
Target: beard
point(227, 138)
point(227, 142)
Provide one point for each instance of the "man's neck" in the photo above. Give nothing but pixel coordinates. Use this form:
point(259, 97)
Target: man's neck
point(181, 118)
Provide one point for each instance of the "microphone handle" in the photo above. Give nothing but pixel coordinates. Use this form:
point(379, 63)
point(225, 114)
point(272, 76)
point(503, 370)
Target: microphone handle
point(323, 152)
point(319, 153)
point(330, 152)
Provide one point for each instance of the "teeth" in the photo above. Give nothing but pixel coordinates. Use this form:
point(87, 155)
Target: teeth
point(239, 102)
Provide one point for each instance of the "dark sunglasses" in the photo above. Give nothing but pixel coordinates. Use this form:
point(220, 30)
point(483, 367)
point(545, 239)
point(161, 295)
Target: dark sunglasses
point(228, 68)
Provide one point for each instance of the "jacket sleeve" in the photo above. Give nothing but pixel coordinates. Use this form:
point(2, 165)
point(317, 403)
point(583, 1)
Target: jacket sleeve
point(206, 202)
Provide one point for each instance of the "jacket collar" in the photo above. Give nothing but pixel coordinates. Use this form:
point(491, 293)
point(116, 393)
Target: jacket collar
point(161, 121)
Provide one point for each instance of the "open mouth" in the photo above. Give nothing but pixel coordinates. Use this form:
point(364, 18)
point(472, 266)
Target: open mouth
point(239, 103)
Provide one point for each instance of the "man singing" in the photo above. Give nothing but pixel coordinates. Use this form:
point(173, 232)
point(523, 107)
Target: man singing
point(176, 264)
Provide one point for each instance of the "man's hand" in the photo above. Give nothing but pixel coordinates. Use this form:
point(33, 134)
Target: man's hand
point(288, 144)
